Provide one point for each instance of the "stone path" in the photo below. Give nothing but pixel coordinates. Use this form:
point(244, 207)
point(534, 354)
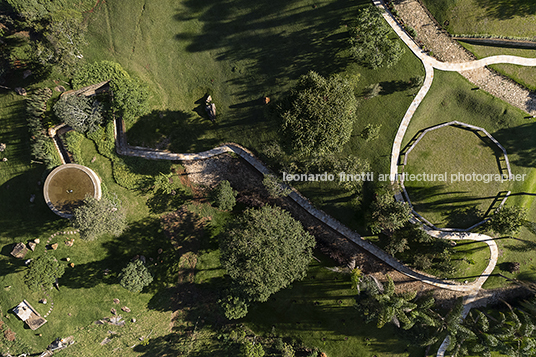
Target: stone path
point(462, 67)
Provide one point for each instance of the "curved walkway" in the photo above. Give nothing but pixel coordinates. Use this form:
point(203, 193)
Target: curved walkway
point(429, 65)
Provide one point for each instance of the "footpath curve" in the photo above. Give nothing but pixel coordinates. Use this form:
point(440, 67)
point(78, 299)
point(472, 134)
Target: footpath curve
point(429, 65)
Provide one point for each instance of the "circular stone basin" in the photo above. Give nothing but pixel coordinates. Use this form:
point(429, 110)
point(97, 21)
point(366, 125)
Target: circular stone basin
point(448, 200)
point(66, 187)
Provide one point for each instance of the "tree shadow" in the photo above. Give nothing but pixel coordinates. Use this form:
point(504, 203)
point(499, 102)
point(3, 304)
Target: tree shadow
point(391, 87)
point(507, 9)
point(519, 143)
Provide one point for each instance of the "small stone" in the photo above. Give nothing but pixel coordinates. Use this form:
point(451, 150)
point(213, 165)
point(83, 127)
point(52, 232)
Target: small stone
point(68, 259)
point(116, 301)
point(59, 89)
point(69, 243)
point(32, 198)
point(70, 314)
point(93, 160)
point(27, 261)
point(27, 73)
point(160, 251)
point(20, 91)
point(113, 311)
point(2, 146)
point(4, 159)
point(32, 246)
point(37, 241)
point(71, 265)
point(54, 246)
point(125, 309)
point(133, 319)
point(43, 301)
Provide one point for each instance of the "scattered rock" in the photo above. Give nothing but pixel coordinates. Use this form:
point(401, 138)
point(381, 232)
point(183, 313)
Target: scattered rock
point(105, 341)
point(4, 159)
point(60, 89)
point(19, 250)
point(27, 73)
point(93, 160)
point(37, 240)
point(32, 246)
point(54, 246)
point(51, 132)
point(142, 258)
point(99, 322)
point(69, 243)
point(43, 301)
point(27, 262)
point(68, 259)
point(32, 198)
point(20, 91)
point(2, 146)
point(160, 251)
point(133, 320)
point(69, 314)
point(71, 265)
point(113, 311)
point(125, 309)
point(265, 100)
point(116, 301)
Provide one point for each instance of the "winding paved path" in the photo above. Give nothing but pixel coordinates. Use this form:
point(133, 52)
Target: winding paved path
point(429, 65)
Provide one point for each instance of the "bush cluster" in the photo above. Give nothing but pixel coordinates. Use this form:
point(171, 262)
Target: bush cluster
point(42, 146)
point(73, 142)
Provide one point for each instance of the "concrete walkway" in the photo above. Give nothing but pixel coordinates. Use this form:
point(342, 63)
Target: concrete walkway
point(429, 65)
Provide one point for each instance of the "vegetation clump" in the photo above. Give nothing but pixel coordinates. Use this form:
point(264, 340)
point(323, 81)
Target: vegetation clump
point(508, 220)
point(97, 217)
point(43, 272)
point(135, 276)
point(264, 251)
point(224, 196)
point(79, 112)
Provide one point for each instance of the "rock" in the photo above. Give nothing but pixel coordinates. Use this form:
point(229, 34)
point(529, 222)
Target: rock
point(32, 246)
point(19, 250)
point(116, 301)
point(59, 89)
point(4, 159)
point(27, 262)
point(54, 246)
point(265, 100)
point(125, 309)
point(142, 258)
point(68, 259)
point(93, 160)
point(160, 251)
point(27, 73)
point(2, 146)
point(133, 319)
point(71, 265)
point(69, 243)
point(32, 198)
point(37, 240)
point(20, 91)
point(113, 311)
point(43, 301)
point(51, 132)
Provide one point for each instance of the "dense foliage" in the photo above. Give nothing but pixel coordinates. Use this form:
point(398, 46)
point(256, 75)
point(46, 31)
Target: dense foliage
point(43, 272)
point(275, 187)
point(370, 42)
point(131, 96)
point(319, 114)
point(224, 196)
point(79, 112)
point(388, 214)
point(508, 220)
point(39, 9)
point(264, 251)
point(135, 276)
point(97, 217)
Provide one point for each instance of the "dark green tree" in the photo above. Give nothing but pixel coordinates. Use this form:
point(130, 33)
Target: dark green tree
point(275, 187)
point(264, 251)
point(135, 276)
point(388, 214)
point(43, 272)
point(370, 40)
point(80, 113)
point(224, 196)
point(252, 349)
point(97, 217)
point(508, 220)
point(319, 114)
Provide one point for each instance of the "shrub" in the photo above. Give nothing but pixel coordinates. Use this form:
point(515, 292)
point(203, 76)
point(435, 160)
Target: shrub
point(371, 132)
point(252, 349)
point(43, 272)
point(508, 220)
point(234, 307)
point(275, 187)
point(97, 217)
point(224, 196)
point(79, 112)
point(73, 141)
point(135, 276)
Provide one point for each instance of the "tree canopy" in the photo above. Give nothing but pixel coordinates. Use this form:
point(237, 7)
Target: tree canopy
point(264, 251)
point(224, 196)
point(319, 114)
point(388, 214)
point(508, 220)
point(135, 276)
point(370, 42)
point(80, 113)
point(97, 217)
point(43, 271)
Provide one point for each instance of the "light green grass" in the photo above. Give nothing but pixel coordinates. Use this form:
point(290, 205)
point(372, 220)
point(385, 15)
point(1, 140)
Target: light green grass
point(525, 76)
point(495, 17)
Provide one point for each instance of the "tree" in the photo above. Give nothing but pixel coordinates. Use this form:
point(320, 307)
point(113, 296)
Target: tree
point(354, 166)
point(224, 196)
point(97, 217)
point(275, 187)
point(508, 220)
point(135, 276)
point(319, 114)
point(264, 251)
point(43, 272)
point(80, 113)
point(370, 42)
point(388, 214)
point(252, 349)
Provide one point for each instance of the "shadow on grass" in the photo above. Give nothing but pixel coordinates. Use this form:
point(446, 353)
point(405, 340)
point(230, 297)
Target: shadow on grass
point(507, 9)
point(519, 143)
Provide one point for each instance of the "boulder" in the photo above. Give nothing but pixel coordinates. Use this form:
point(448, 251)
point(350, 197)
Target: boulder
point(54, 246)
point(19, 250)
point(32, 246)
point(125, 309)
point(20, 91)
point(37, 240)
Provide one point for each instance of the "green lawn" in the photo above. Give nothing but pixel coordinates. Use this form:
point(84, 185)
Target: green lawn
point(494, 17)
point(526, 76)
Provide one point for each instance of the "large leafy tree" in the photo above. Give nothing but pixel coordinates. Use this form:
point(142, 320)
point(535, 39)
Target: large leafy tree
point(370, 40)
point(388, 214)
point(97, 217)
point(79, 112)
point(135, 276)
point(43, 272)
point(319, 114)
point(264, 251)
point(508, 220)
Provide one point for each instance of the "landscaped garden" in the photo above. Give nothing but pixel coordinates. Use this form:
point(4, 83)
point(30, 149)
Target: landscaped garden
point(174, 267)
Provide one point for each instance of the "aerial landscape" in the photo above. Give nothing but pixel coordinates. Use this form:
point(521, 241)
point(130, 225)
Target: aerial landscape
point(294, 178)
